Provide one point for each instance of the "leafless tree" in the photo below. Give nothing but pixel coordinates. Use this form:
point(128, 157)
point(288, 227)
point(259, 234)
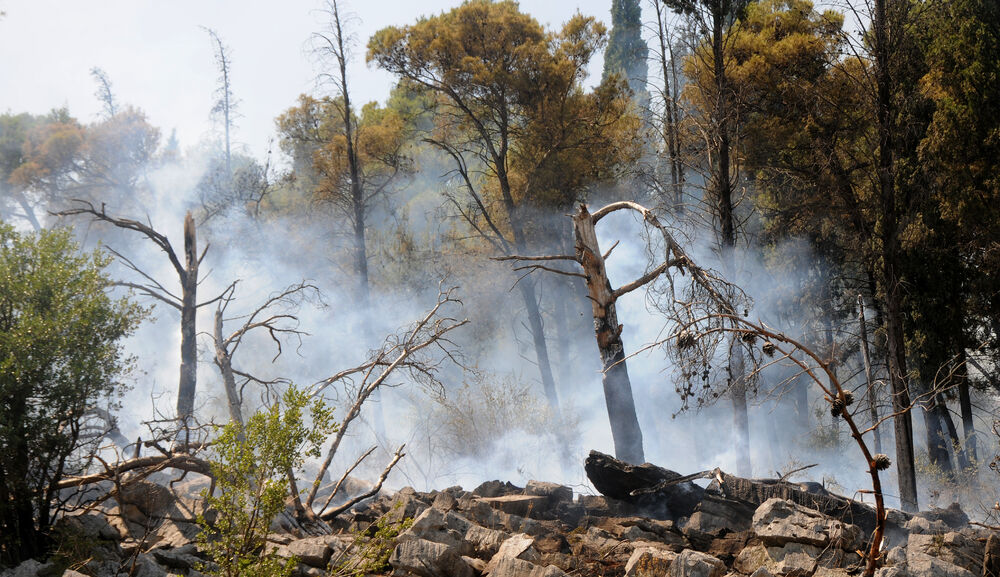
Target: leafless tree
point(276, 316)
point(186, 303)
point(719, 297)
point(225, 103)
point(404, 352)
point(104, 93)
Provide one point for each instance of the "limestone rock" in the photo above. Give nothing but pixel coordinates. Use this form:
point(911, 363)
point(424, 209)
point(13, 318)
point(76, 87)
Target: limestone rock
point(517, 546)
point(555, 492)
point(777, 522)
point(649, 562)
point(428, 559)
point(485, 542)
point(692, 563)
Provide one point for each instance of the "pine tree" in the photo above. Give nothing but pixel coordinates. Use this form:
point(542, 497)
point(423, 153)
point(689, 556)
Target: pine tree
point(627, 51)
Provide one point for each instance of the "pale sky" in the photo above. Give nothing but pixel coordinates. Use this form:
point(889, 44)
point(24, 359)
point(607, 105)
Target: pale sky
point(159, 59)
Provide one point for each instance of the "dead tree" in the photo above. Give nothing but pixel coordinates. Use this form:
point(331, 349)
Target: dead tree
point(186, 303)
point(276, 316)
point(617, 386)
point(404, 352)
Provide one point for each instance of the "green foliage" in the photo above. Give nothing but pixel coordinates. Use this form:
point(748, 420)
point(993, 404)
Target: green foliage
point(60, 357)
point(251, 468)
point(627, 51)
point(371, 549)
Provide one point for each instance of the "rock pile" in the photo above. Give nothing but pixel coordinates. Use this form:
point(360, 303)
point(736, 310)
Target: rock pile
point(541, 530)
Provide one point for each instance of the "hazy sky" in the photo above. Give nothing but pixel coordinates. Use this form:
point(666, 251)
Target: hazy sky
point(159, 59)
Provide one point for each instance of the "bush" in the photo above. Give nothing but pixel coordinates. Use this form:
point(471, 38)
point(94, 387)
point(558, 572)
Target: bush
point(60, 357)
point(250, 468)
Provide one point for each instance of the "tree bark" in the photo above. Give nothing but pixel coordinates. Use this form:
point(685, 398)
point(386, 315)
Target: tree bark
point(965, 405)
point(225, 362)
point(870, 383)
point(189, 346)
point(617, 386)
point(895, 341)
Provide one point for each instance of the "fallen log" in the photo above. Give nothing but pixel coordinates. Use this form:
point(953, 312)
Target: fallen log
point(633, 483)
point(649, 486)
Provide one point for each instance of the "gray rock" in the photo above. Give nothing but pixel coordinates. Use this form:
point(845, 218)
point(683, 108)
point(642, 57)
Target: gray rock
point(146, 566)
point(517, 546)
point(313, 551)
point(183, 558)
point(555, 492)
point(429, 559)
point(29, 568)
point(923, 565)
point(511, 567)
point(520, 505)
point(777, 522)
point(952, 548)
point(433, 525)
point(691, 563)
point(485, 542)
point(715, 513)
point(90, 524)
point(649, 562)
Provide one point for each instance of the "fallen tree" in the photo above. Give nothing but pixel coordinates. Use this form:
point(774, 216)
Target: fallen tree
point(651, 487)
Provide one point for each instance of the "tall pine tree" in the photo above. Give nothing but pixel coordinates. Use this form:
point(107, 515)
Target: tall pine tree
point(627, 51)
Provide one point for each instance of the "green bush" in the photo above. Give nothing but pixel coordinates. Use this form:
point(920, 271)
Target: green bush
point(250, 466)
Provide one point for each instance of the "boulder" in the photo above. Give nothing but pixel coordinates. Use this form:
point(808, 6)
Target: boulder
point(517, 546)
point(183, 558)
point(555, 492)
point(649, 562)
point(434, 525)
point(778, 522)
point(313, 551)
point(429, 559)
point(485, 542)
point(692, 563)
point(923, 565)
point(520, 505)
point(715, 514)
point(952, 548)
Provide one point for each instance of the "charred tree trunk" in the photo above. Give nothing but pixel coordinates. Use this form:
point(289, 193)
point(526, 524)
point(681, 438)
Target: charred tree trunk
point(889, 233)
point(189, 346)
point(617, 386)
point(965, 405)
point(937, 439)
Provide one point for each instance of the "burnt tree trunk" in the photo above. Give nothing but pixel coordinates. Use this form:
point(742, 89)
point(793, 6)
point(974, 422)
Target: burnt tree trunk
point(224, 360)
point(189, 346)
point(617, 386)
point(965, 405)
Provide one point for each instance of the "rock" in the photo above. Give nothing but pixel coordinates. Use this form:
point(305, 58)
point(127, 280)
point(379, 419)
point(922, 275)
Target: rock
point(777, 522)
point(89, 524)
point(649, 562)
point(146, 566)
point(923, 565)
point(444, 501)
point(183, 558)
point(29, 568)
point(313, 551)
point(954, 548)
point(792, 559)
point(762, 572)
point(477, 564)
point(142, 500)
point(485, 542)
point(695, 564)
point(925, 526)
point(952, 516)
point(716, 513)
point(555, 492)
point(174, 534)
point(517, 546)
point(593, 542)
point(511, 567)
point(520, 505)
point(428, 559)
point(72, 573)
point(496, 489)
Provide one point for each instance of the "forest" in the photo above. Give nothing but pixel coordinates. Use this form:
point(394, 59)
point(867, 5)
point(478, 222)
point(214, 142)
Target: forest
point(766, 239)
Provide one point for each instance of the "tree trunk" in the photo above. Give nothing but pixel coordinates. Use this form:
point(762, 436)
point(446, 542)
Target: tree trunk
point(937, 439)
point(727, 240)
point(617, 386)
point(225, 363)
point(895, 340)
point(965, 405)
point(870, 383)
point(189, 346)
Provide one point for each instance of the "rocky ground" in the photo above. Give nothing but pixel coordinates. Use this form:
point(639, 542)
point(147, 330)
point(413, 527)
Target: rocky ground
point(540, 530)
